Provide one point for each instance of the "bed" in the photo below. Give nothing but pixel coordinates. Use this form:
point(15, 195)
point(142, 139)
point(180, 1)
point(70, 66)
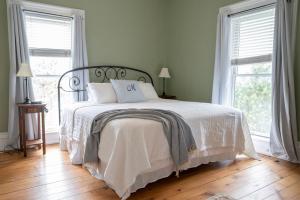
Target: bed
point(135, 152)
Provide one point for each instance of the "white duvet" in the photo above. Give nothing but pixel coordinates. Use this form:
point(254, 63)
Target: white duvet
point(134, 152)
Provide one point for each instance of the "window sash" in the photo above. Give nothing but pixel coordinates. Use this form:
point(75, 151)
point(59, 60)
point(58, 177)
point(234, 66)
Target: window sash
point(35, 21)
point(252, 75)
point(252, 36)
point(252, 60)
point(50, 52)
point(47, 16)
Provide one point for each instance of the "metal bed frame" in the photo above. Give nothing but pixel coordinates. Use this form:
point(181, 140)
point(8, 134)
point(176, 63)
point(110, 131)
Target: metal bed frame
point(99, 74)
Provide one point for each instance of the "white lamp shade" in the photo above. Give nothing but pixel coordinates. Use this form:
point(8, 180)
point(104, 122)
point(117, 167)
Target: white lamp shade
point(164, 73)
point(24, 71)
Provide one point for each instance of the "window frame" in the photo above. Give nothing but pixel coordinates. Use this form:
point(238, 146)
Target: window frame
point(260, 143)
point(55, 11)
point(235, 62)
point(49, 52)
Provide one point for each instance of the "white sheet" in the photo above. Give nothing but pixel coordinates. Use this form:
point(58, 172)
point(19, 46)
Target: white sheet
point(131, 148)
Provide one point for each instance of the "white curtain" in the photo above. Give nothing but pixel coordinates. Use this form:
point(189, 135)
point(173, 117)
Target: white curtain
point(284, 143)
point(18, 50)
point(222, 81)
point(79, 54)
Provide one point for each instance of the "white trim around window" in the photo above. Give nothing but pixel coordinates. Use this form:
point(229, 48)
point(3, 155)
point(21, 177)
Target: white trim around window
point(58, 10)
point(245, 5)
point(46, 8)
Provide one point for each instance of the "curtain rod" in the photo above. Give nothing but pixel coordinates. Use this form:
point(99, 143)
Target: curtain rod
point(248, 10)
point(32, 11)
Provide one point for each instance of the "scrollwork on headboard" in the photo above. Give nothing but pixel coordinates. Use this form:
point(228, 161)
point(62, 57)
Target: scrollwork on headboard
point(73, 82)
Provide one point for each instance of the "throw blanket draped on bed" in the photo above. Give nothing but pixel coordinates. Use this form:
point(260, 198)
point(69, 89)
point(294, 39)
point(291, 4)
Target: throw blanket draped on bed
point(177, 131)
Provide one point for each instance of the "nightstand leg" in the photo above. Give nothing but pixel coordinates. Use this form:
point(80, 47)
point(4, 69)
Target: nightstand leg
point(20, 131)
point(39, 128)
point(43, 132)
point(24, 134)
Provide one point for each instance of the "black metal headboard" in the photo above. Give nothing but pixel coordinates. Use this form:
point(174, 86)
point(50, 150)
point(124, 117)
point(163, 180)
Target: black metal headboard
point(73, 83)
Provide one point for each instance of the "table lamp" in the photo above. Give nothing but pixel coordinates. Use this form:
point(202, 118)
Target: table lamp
point(164, 73)
point(25, 72)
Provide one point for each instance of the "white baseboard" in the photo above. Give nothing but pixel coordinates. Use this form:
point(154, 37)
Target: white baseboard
point(51, 138)
point(262, 145)
point(3, 140)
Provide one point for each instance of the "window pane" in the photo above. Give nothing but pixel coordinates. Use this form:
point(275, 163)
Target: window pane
point(48, 32)
point(260, 68)
point(50, 65)
point(45, 89)
point(253, 97)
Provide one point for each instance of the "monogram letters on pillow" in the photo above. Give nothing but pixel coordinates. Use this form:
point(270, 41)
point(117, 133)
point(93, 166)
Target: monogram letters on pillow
point(127, 91)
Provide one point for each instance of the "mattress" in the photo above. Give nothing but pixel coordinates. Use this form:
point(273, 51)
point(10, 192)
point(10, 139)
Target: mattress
point(135, 152)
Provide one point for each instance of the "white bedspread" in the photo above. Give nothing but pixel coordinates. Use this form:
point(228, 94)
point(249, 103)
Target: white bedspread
point(131, 147)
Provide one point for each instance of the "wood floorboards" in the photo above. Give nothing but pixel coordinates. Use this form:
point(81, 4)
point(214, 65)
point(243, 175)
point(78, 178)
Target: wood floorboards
point(53, 177)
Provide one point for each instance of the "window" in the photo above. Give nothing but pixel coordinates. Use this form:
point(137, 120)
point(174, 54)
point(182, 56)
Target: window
point(251, 58)
point(49, 41)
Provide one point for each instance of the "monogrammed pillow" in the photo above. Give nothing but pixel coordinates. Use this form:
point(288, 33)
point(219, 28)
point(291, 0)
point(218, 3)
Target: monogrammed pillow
point(127, 91)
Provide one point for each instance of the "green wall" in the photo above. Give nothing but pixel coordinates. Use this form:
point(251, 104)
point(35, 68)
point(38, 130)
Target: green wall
point(191, 47)
point(125, 32)
point(4, 67)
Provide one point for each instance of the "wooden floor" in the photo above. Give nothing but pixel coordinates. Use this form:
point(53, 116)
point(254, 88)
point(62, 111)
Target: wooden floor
point(53, 177)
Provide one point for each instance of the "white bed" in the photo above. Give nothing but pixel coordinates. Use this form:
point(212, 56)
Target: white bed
point(135, 152)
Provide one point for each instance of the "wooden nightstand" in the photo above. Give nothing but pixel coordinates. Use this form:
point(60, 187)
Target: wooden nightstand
point(39, 109)
point(167, 97)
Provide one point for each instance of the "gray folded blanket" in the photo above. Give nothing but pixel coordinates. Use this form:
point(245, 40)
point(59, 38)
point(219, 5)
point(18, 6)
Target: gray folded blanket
point(177, 131)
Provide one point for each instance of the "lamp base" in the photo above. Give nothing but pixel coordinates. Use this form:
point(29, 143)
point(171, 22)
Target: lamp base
point(27, 101)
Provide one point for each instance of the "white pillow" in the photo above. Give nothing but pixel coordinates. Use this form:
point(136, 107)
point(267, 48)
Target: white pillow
point(148, 91)
point(90, 95)
point(102, 93)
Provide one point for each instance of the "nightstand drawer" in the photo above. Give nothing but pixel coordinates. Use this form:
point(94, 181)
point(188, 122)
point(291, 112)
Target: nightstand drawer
point(33, 110)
